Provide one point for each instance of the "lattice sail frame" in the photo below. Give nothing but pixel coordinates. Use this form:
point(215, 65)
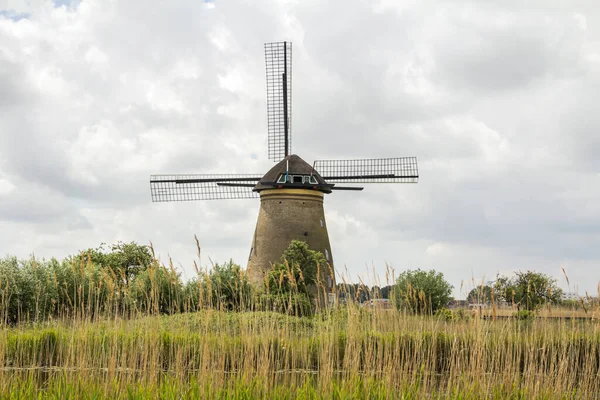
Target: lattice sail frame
point(373, 170)
point(278, 59)
point(165, 188)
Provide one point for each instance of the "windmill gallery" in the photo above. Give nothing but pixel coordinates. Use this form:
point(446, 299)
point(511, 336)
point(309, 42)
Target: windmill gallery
point(291, 193)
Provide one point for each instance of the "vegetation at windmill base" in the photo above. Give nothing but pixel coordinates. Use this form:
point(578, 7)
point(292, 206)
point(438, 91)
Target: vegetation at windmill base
point(288, 284)
point(78, 328)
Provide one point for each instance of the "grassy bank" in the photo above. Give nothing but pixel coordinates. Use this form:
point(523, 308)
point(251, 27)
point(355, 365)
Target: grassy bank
point(348, 353)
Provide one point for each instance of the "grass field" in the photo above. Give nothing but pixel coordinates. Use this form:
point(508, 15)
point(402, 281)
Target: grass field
point(341, 354)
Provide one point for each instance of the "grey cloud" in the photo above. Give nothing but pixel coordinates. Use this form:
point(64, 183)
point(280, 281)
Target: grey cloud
point(498, 50)
point(500, 116)
point(34, 204)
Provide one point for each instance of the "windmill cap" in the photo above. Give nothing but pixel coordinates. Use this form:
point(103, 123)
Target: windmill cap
point(293, 165)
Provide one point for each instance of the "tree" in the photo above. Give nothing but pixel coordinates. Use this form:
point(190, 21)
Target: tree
point(129, 259)
point(125, 260)
point(291, 283)
point(422, 291)
point(481, 294)
point(297, 269)
point(528, 289)
point(227, 286)
point(357, 292)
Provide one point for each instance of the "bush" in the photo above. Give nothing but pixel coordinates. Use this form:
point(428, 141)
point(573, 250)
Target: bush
point(34, 290)
point(125, 260)
point(528, 289)
point(298, 269)
point(224, 287)
point(297, 304)
point(445, 314)
point(292, 283)
point(461, 315)
point(17, 290)
point(422, 292)
point(156, 290)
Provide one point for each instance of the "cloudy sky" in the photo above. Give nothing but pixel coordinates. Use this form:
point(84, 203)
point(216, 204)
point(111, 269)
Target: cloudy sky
point(498, 100)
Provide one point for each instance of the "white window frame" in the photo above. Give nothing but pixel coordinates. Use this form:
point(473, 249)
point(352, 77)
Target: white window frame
point(281, 178)
point(313, 180)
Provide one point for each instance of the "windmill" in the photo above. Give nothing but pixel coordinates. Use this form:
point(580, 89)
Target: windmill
point(291, 193)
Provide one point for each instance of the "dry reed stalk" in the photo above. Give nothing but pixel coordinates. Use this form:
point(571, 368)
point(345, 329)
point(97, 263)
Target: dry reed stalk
point(347, 349)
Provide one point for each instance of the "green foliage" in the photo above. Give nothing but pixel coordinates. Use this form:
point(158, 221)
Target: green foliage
point(291, 284)
point(360, 293)
point(156, 290)
point(34, 290)
point(528, 289)
point(297, 271)
point(129, 259)
point(224, 287)
point(355, 292)
point(445, 314)
point(17, 289)
point(482, 294)
point(422, 292)
point(462, 315)
point(297, 304)
point(125, 260)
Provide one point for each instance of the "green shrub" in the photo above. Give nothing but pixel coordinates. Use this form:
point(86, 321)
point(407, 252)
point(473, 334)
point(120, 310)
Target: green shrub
point(445, 314)
point(156, 290)
point(297, 270)
point(462, 315)
point(297, 304)
point(422, 292)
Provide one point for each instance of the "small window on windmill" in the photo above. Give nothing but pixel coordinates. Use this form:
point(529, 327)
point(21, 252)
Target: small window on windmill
point(281, 178)
point(322, 223)
point(329, 282)
point(305, 179)
point(326, 255)
point(313, 180)
point(297, 179)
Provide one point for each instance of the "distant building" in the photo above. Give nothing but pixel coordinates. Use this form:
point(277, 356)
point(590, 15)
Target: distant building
point(458, 304)
point(476, 306)
point(571, 296)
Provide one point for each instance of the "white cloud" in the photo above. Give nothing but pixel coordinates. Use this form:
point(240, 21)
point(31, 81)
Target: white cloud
point(6, 186)
point(436, 249)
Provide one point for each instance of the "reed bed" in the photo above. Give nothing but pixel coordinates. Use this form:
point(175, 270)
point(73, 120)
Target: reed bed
point(347, 352)
point(75, 332)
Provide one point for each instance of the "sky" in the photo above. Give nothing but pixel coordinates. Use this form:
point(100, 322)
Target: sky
point(496, 99)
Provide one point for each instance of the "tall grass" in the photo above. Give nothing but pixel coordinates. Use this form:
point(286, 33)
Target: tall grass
point(115, 343)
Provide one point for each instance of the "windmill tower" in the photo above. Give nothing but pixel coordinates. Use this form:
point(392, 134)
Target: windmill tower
point(291, 193)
